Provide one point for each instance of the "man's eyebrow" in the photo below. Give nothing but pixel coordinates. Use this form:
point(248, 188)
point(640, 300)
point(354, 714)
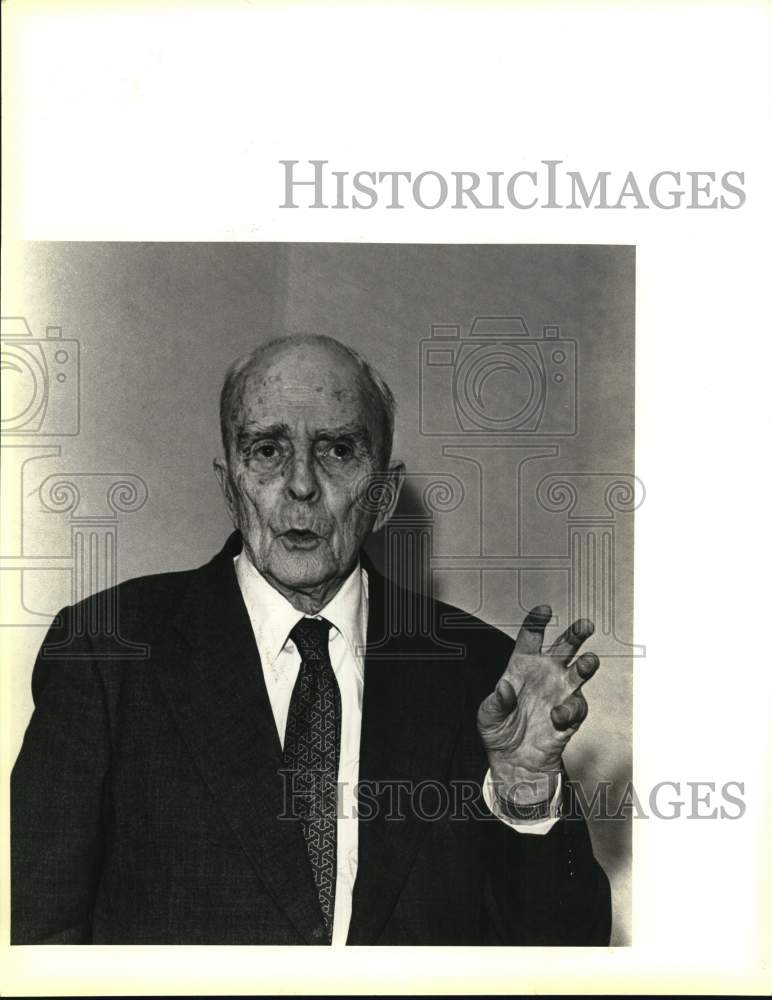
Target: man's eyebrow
point(342, 430)
point(252, 431)
point(357, 432)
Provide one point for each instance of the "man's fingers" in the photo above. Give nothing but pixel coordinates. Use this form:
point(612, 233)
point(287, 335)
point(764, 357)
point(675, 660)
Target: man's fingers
point(571, 713)
point(499, 703)
point(564, 647)
point(582, 669)
point(531, 634)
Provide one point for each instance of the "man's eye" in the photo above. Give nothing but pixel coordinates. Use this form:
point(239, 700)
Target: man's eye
point(267, 451)
point(340, 451)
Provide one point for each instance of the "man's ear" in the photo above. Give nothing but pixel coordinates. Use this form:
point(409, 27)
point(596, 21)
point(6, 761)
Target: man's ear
point(391, 488)
point(220, 467)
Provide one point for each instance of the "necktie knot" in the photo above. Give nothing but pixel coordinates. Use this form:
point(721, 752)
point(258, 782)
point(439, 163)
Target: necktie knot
point(311, 636)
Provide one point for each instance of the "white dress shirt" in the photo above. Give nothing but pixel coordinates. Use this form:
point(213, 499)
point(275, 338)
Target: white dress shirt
point(273, 618)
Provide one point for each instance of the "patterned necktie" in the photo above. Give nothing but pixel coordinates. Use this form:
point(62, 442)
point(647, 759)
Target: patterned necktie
point(312, 751)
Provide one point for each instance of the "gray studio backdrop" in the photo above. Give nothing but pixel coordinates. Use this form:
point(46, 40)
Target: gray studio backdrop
point(513, 368)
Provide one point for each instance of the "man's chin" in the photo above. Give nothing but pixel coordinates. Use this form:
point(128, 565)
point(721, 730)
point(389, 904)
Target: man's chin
point(301, 569)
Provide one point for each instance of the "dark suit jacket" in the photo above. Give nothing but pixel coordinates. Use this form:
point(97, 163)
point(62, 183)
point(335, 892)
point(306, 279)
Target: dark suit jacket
point(146, 796)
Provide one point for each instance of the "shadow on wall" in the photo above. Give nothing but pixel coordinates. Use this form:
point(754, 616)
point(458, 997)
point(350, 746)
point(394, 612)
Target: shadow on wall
point(612, 835)
point(411, 511)
point(609, 822)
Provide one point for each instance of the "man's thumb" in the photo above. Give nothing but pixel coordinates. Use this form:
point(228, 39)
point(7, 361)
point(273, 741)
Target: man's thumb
point(506, 695)
point(499, 703)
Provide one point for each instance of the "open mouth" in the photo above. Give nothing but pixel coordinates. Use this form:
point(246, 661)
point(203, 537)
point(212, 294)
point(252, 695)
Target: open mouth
point(297, 538)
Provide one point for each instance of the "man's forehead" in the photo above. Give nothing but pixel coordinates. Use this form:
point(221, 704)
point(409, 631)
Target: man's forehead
point(313, 381)
point(293, 392)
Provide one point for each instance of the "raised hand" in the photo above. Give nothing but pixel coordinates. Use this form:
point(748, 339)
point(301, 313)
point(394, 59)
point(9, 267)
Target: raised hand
point(536, 707)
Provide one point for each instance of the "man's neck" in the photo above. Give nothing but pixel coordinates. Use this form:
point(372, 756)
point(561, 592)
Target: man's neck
point(309, 600)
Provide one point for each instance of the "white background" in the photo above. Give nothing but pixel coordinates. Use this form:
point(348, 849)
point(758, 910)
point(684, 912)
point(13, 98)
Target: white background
point(143, 124)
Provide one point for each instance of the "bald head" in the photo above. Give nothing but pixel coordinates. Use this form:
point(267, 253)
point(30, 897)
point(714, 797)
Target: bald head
point(307, 428)
point(306, 366)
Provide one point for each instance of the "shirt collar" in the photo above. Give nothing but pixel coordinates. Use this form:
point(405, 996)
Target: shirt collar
point(273, 617)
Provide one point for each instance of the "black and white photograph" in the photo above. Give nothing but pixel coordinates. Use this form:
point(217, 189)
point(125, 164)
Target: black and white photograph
point(352, 714)
point(384, 454)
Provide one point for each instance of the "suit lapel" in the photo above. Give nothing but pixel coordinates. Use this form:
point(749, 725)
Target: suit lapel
point(214, 684)
point(411, 715)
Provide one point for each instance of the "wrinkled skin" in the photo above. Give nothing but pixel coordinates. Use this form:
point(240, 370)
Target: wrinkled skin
point(305, 444)
point(537, 706)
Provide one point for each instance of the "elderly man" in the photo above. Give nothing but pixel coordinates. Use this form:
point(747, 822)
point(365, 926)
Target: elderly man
point(293, 762)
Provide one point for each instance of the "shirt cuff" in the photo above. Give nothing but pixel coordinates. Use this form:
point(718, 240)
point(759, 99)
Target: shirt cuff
point(537, 826)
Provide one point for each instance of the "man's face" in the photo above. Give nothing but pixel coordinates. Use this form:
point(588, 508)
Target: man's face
point(304, 443)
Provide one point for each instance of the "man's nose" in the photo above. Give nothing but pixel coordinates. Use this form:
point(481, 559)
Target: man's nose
point(302, 483)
